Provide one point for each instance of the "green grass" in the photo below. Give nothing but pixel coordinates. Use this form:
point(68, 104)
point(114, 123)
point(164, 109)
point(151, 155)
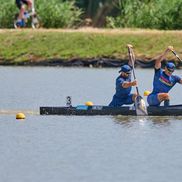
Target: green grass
point(37, 45)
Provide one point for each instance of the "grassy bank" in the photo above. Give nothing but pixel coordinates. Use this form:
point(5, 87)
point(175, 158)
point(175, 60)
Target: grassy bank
point(45, 44)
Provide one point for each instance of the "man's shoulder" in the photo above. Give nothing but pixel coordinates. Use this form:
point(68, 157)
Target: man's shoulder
point(119, 78)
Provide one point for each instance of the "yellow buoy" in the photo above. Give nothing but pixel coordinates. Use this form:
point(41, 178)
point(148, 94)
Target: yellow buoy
point(146, 92)
point(20, 116)
point(89, 103)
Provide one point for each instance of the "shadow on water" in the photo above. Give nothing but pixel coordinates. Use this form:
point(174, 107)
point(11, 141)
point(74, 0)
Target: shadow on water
point(129, 121)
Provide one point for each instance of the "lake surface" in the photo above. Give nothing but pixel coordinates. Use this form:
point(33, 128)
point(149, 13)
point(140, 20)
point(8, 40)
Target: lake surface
point(82, 148)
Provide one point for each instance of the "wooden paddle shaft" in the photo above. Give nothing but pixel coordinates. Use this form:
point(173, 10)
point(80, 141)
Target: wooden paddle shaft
point(132, 61)
point(176, 55)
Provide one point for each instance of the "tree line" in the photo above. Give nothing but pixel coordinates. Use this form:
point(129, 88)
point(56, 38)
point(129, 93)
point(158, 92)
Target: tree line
point(154, 14)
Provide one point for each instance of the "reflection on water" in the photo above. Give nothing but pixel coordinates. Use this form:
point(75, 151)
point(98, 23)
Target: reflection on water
point(161, 121)
point(129, 121)
point(126, 121)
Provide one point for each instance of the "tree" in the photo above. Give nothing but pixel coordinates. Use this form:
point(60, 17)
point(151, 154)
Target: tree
point(97, 10)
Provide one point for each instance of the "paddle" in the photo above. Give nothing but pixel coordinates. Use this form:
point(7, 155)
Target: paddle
point(140, 106)
point(176, 55)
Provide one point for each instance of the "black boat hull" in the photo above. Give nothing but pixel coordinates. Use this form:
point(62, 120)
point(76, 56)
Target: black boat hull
point(174, 110)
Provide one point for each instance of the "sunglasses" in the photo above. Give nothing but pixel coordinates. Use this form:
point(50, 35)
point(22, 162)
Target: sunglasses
point(170, 70)
point(128, 73)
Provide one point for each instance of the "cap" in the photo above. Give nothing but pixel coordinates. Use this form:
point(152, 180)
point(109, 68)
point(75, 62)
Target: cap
point(170, 66)
point(125, 69)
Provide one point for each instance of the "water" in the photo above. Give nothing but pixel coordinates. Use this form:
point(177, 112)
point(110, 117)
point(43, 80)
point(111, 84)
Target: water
point(82, 148)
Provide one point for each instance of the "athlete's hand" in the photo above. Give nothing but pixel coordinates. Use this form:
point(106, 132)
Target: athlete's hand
point(170, 48)
point(134, 83)
point(129, 46)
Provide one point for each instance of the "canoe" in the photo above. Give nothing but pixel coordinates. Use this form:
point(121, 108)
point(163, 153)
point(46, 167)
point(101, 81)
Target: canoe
point(82, 110)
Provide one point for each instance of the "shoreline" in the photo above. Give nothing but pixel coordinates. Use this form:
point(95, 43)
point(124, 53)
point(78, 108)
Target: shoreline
point(92, 63)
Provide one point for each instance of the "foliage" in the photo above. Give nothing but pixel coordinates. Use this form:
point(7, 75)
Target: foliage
point(158, 14)
point(58, 14)
point(7, 13)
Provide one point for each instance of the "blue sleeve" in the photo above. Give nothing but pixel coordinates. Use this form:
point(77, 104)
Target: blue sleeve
point(177, 79)
point(119, 82)
point(158, 71)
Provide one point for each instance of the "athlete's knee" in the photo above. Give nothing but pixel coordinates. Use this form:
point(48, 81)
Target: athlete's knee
point(166, 96)
point(163, 96)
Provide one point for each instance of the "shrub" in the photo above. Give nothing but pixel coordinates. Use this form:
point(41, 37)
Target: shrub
point(158, 14)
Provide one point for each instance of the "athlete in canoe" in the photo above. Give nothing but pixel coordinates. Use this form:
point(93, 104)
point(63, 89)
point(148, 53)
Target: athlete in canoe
point(163, 81)
point(123, 95)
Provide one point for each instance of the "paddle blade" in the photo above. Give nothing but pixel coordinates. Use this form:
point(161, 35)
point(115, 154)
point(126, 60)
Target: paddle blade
point(141, 109)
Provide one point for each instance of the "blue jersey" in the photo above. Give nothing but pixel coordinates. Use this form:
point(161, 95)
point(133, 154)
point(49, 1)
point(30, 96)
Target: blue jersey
point(163, 83)
point(120, 91)
point(122, 95)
